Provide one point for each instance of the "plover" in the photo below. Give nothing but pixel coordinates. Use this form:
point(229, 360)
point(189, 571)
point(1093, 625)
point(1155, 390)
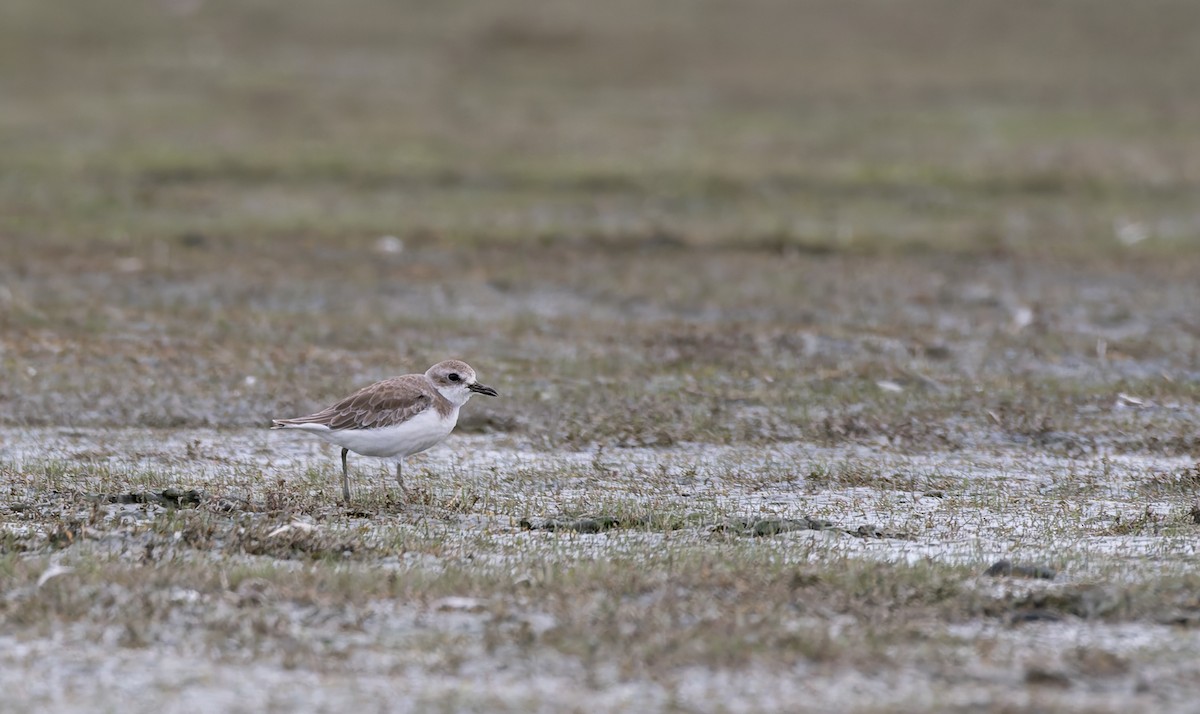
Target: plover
point(396, 417)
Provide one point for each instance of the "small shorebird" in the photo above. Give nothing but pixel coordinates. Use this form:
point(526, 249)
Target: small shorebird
point(396, 417)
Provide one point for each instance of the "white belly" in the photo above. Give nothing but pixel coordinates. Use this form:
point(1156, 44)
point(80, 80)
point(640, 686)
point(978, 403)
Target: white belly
point(417, 434)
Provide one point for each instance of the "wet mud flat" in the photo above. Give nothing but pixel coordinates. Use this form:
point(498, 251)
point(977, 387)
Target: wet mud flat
point(216, 569)
point(720, 477)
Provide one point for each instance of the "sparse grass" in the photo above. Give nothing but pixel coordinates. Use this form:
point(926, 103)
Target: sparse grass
point(289, 577)
point(653, 615)
point(1184, 481)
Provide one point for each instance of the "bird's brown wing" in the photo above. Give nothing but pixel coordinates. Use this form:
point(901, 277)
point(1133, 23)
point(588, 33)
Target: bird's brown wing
point(388, 403)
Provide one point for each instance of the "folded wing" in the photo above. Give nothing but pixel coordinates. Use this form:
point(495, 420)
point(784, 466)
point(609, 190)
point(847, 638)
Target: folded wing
point(388, 403)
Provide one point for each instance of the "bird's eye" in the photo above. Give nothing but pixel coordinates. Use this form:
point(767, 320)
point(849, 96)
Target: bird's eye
point(454, 377)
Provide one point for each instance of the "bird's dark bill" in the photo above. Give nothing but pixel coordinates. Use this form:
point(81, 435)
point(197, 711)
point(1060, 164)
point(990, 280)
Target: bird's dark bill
point(480, 389)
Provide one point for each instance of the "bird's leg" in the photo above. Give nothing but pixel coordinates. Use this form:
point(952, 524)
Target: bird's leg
point(399, 475)
point(345, 477)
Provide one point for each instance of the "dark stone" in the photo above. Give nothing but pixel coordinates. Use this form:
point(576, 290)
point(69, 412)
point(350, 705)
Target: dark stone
point(1006, 568)
point(1036, 615)
point(938, 351)
point(192, 239)
point(772, 526)
point(171, 498)
point(999, 568)
point(597, 524)
point(781, 525)
point(1047, 678)
point(190, 497)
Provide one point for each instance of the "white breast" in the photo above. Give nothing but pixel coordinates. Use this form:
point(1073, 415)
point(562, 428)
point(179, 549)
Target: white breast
point(415, 435)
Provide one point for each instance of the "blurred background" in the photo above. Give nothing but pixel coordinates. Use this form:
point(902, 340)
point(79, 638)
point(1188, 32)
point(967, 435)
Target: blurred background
point(926, 222)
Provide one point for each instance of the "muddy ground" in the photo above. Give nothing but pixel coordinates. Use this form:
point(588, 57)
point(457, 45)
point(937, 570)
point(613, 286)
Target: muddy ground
point(848, 355)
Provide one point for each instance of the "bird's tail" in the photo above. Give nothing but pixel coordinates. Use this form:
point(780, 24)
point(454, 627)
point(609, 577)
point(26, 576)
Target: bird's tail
point(302, 423)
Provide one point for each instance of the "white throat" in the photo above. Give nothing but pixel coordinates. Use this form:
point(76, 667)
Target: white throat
point(456, 395)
